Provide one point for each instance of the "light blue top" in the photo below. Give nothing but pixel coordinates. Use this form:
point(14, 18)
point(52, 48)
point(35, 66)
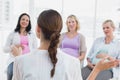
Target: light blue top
point(103, 49)
point(99, 46)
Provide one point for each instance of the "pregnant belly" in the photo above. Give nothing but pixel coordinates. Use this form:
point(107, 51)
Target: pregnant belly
point(26, 49)
point(96, 60)
point(71, 52)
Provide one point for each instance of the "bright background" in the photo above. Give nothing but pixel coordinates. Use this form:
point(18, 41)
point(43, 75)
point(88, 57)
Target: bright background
point(91, 14)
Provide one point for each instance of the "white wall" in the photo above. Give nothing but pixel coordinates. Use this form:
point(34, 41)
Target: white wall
point(90, 16)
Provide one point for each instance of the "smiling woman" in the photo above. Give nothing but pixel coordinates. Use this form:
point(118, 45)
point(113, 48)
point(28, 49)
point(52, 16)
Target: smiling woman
point(72, 42)
point(21, 39)
point(10, 10)
point(107, 46)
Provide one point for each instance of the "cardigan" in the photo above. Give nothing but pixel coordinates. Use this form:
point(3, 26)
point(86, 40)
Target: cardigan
point(82, 44)
point(14, 39)
point(82, 47)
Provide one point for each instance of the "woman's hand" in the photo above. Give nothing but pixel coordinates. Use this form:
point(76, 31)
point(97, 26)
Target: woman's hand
point(102, 55)
point(103, 65)
point(100, 66)
point(90, 65)
point(18, 46)
point(16, 51)
point(82, 56)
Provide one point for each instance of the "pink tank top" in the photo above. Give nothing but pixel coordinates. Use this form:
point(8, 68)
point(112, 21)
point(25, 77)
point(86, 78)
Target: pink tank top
point(24, 42)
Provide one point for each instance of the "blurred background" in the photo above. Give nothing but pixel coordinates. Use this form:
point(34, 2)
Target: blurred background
point(91, 14)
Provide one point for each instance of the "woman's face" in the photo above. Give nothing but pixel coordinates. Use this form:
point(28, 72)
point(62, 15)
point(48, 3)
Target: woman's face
point(24, 21)
point(108, 29)
point(71, 24)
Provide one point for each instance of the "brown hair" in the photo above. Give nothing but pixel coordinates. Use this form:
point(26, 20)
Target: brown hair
point(50, 22)
point(76, 20)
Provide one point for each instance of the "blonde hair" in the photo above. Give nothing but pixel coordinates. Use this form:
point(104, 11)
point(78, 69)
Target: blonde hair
point(109, 21)
point(76, 20)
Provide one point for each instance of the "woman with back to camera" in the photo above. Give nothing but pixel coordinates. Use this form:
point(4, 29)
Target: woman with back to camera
point(72, 42)
point(47, 62)
point(21, 38)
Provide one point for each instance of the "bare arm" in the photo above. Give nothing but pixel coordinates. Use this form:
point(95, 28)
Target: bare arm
point(90, 65)
point(104, 55)
point(16, 51)
point(102, 65)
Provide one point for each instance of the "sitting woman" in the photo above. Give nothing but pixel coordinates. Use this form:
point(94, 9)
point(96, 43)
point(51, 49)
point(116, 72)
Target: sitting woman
point(49, 62)
point(102, 47)
point(72, 42)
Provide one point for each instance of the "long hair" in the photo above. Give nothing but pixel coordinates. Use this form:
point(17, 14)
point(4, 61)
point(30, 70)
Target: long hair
point(28, 28)
point(50, 23)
